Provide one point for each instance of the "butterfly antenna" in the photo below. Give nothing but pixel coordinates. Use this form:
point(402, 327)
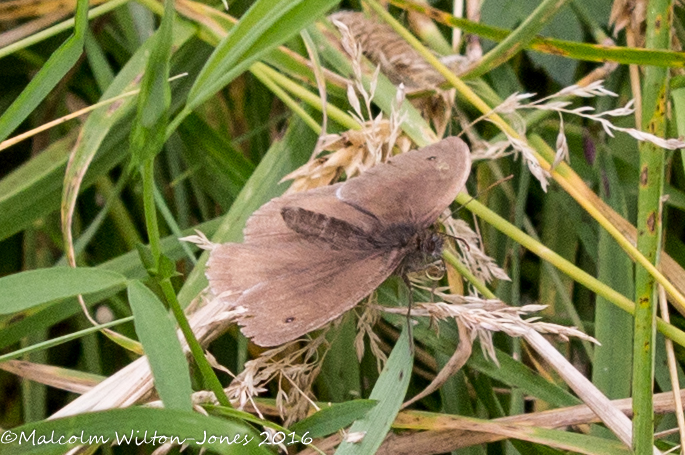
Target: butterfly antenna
point(482, 192)
point(456, 239)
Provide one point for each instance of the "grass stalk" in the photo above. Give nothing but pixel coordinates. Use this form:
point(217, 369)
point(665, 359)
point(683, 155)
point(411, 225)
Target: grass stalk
point(649, 226)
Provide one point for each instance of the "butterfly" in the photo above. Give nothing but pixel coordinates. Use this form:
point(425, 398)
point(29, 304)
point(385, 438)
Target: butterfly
point(308, 257)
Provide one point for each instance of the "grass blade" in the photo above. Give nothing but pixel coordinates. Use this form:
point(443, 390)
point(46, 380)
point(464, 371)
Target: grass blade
point(59, 63)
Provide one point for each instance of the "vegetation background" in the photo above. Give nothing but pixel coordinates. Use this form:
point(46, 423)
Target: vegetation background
point(201, 119)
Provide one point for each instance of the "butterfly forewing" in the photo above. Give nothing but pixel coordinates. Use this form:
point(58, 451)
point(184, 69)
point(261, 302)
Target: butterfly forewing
point(413, 187)
point(268, 225)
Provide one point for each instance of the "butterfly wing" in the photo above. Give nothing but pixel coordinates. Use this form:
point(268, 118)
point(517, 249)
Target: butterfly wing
point(412, 187)
point(289, 284)
point(291, 289)
point(266, 225)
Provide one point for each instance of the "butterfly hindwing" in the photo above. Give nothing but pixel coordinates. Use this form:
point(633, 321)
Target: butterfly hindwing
point(294, 288)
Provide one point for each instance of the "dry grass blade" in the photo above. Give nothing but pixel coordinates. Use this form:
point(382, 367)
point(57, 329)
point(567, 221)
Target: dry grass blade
point(19, 9)
point(457, 432)
point(51, 376)
point(617, 422)
point(31, 27)
point(456, 362)
point(134, 382)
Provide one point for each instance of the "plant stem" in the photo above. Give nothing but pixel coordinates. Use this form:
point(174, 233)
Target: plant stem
point(196, 351)
point(649, 226)
point(210, 378)
point(579, 275)
point(150, 210)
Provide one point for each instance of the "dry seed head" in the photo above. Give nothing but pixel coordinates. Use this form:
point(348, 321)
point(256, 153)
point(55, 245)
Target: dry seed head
point(563, 153)
point(626, 13)
point(484, 317)
point(480, 264)
point(367, 320)
point(399, 61)
point(557, 103)
point(350, 154)
point(293, 365)
point(200, 240)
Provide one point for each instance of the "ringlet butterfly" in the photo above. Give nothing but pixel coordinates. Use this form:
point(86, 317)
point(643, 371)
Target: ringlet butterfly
point(308, 257)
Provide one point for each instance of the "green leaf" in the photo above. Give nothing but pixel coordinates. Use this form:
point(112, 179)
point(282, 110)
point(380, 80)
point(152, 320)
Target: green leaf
point(340, 377)
point(157, 332)
point(516, 374)
point(612, 366)
point(149, 131)
point(57, 66)
point(573, 442)
point(146, 258)
point(389, 391)
point(52, 342)
point(264, 26)
point(534, 16)
point(166, 268)
point(333, 418)
point(127, 264)
point(35, 287)
point(124, 425)
point(34, 189)
point(222, 169)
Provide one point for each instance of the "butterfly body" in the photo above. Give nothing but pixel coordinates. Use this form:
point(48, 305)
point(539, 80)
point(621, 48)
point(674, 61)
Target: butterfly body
point(309, 257)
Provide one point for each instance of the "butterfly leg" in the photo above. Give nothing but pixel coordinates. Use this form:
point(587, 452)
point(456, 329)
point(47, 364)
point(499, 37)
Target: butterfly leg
point(410, 304)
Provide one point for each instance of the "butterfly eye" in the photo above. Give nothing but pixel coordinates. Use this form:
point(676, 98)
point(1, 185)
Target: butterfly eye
point(290, 319)
point(431, 158)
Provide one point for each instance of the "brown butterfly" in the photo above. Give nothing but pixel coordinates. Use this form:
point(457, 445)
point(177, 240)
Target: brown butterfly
point(309, 257)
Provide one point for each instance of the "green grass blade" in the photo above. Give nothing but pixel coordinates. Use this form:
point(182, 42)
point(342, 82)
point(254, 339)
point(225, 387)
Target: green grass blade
point(678, 96)
point(612, 364)
point(333, 418)
point(149, 130)
point(52, 342)
point(100, 123)
point(649, 226)
point(518, 39)
point(128, 264)
point(389, 391)
point(253, 36)
point(157, 332)
point(32, 288)
point(223, 169)
point(570, 49)
point(59, 63)
point(115, 425)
